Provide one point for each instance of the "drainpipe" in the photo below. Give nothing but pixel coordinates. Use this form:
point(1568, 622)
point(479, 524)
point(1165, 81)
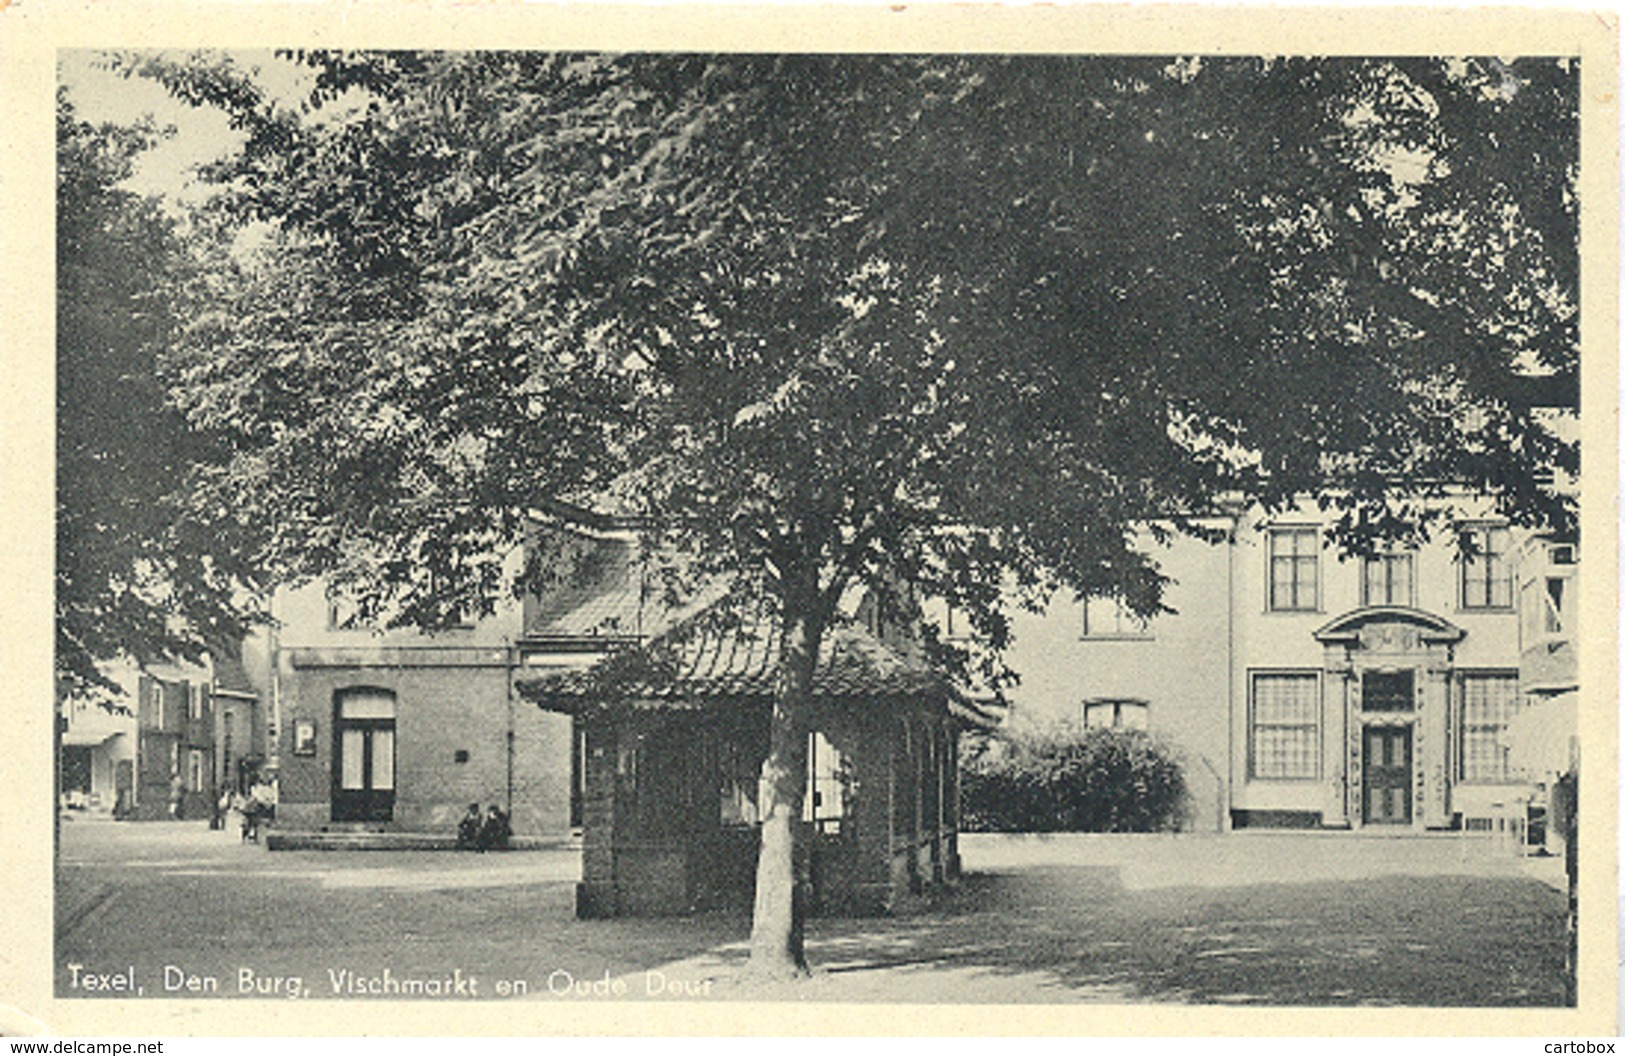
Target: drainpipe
point(513, 667)
point(273, 730)
point(1230, 670)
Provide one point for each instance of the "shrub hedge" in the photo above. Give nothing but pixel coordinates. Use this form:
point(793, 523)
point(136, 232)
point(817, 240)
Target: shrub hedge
point(1066, 780)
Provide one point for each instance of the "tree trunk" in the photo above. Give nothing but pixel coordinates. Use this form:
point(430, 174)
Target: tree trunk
point(776, 948)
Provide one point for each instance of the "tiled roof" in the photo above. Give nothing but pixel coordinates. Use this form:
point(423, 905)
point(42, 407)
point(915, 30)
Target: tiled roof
point(230, 676)
point(696, 665)
point(606, 593)
point(611, 605)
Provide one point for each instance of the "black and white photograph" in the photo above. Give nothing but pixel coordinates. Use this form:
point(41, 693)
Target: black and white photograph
point(651, 527)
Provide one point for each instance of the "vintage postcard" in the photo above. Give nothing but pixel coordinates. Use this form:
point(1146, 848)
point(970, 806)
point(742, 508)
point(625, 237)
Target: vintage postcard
point(810, 520)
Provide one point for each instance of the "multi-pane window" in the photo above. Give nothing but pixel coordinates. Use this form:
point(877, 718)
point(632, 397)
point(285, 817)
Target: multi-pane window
point(194, 770)
point(1294, 569)
point(152, 701)
point(1486, 568)
point(1388, 691)
point(1389, 579)
point(1488, 703)
point(1284, 739)
point(366, 750)
point(1110, 618)
point(1122, 714)
point(194, 700)
point(450, 591)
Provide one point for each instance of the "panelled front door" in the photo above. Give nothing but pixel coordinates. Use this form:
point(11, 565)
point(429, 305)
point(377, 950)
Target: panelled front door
point(1387, 775)
point(364, 755)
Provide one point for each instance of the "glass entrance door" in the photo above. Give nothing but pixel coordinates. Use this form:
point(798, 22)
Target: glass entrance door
point(364, 755)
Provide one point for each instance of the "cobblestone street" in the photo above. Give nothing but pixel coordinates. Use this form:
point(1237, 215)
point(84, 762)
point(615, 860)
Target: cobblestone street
point(1269, 918)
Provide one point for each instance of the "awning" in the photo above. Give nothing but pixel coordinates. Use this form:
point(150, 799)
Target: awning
point(1541, 738)
point(79, 738)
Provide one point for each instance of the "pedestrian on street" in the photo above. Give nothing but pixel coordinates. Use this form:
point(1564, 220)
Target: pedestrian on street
point(261, 808)
point(238, 811)
point(222, 804)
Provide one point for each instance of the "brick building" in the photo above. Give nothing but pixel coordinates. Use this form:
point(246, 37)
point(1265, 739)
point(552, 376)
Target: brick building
point(175, 758)
point(239, 736)
point(400, 730)
point(176, 733)
point(675, 734)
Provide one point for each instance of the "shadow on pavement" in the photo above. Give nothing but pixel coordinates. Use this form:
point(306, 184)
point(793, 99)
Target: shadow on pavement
point(1392, 940)
point(1367, 925)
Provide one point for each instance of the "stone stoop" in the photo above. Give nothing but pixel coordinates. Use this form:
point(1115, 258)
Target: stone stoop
point(354, 840)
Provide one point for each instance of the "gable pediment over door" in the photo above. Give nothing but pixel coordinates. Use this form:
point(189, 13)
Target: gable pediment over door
point(1389, 629)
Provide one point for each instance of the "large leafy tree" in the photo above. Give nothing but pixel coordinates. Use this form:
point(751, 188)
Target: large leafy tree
point(142, 573)
point(955, 322)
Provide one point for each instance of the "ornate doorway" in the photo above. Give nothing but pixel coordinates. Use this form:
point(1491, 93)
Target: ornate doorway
point(1394, 665)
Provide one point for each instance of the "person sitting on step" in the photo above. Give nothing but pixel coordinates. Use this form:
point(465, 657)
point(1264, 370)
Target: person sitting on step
point(496, 832)
point(468, 830)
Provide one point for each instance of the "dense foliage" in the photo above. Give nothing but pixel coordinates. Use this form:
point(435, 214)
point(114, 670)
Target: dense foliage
point(959, 322)
point(144, 572)
point(1095, 780)
point(949, 320)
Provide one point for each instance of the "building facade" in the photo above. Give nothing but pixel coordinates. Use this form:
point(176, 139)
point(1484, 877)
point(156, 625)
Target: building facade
point(166, 745)
point(401, 730)
point(97, 774)
point(1303, 688)
point(1298, 686)
point(239, 724)
point(175, 771)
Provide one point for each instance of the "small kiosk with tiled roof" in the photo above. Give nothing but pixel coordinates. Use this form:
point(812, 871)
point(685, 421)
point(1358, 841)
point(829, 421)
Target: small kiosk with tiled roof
point(676, 731)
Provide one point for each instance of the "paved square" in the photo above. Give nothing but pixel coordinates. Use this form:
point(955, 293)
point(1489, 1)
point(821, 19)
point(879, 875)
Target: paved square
point(1266, 918)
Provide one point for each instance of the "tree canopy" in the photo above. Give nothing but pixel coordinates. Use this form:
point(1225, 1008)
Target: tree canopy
point(699, 278)
point(961, 322)
point(143, 573)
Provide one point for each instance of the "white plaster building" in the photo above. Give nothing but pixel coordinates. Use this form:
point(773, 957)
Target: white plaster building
point(1304, 688)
